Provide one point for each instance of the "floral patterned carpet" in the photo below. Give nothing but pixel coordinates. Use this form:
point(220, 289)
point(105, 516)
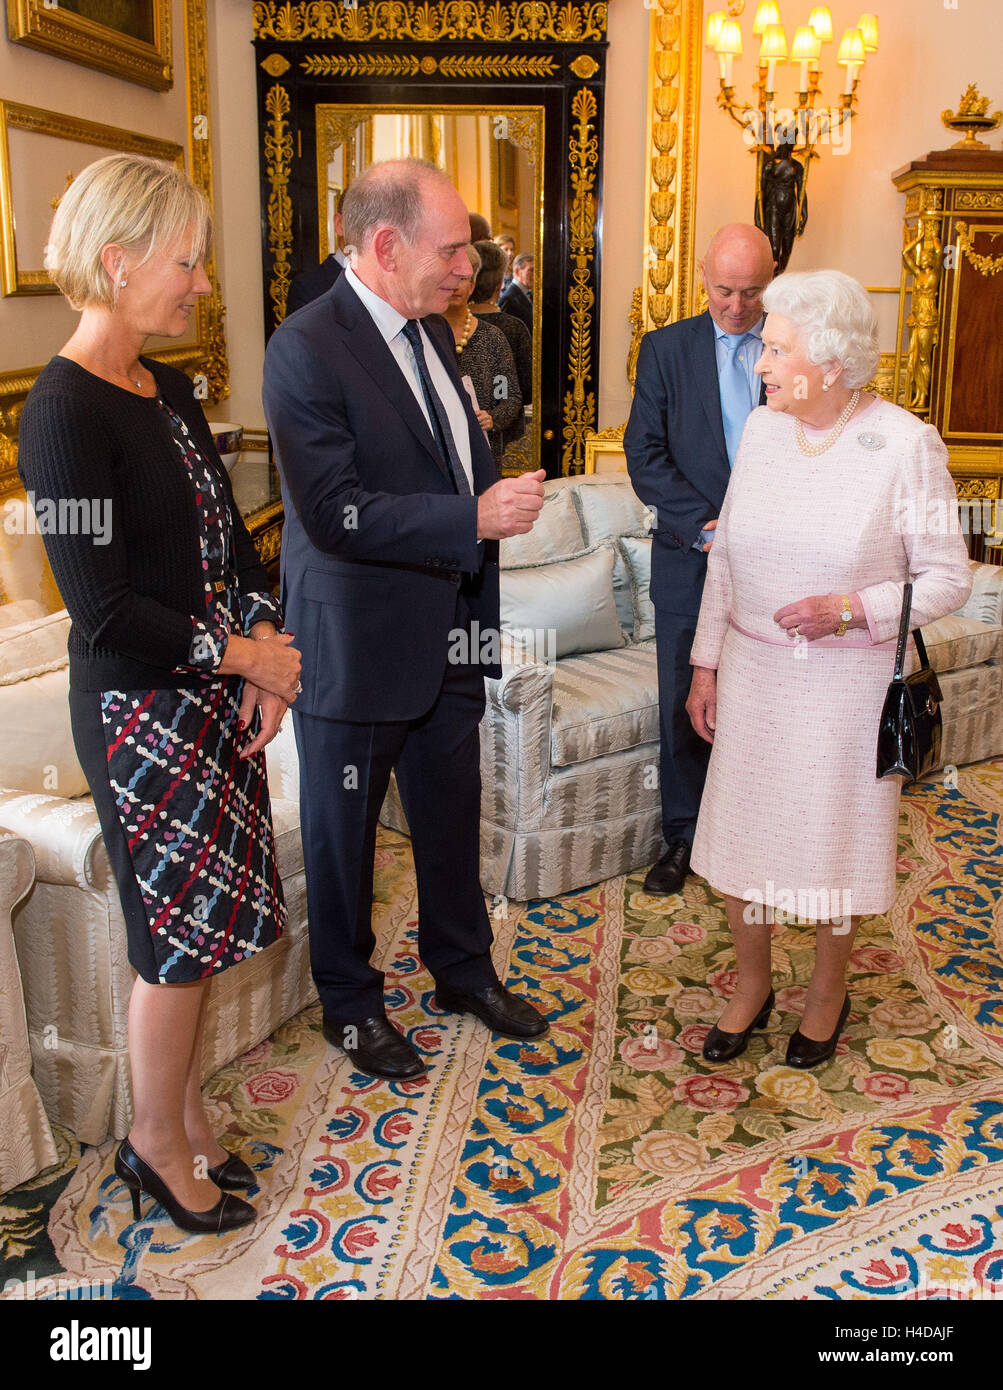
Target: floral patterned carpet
point(608, 1161)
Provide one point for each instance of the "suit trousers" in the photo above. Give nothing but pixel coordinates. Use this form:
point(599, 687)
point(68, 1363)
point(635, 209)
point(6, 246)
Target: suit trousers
point(345, 771)
point(684, 754)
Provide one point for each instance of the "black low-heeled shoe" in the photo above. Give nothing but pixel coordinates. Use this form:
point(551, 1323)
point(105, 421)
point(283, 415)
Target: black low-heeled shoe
point(228, 1213)
point(720, 1046)
point(232, 1174)
point(808, 1052)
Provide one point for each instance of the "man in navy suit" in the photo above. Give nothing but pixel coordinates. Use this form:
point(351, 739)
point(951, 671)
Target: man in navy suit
point(393, 512)
point(694, 390)
point(517, 299)
point(311, 284)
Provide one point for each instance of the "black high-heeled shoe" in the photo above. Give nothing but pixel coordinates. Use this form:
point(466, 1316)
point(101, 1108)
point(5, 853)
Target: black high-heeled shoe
point(232, 1174)
point(808, 1052)
point(720, 1046)
point(228, 1213)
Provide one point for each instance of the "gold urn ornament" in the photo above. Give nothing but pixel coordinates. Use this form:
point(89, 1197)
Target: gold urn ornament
point(972, 116)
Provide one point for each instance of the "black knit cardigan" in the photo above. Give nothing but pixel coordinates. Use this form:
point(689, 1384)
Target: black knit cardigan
point(133, 600)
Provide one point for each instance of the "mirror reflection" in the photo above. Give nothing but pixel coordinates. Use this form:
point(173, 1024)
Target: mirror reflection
point(494, 157)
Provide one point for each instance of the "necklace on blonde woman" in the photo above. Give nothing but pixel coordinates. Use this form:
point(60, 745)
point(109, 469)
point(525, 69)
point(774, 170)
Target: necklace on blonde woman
point(832, 436)
point(468, 329)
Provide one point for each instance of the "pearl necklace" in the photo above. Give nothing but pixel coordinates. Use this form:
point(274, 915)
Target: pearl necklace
point(814, 449)
point(468, 329)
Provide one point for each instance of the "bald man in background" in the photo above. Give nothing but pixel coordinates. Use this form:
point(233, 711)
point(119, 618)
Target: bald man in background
point(694, 390)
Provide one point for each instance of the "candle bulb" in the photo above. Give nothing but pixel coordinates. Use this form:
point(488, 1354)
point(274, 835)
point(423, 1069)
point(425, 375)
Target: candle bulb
point(806, 49)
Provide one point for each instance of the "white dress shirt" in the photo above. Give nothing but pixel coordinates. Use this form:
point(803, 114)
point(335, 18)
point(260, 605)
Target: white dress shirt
point(389, 323)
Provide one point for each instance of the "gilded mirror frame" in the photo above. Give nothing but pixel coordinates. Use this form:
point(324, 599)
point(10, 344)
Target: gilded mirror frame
point(526, 130)
point(207, 355)
point(504, 54)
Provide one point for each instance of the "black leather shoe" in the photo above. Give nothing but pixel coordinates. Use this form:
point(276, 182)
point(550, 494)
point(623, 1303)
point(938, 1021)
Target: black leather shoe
point(228, 1213)
point(232, 1174)
point(808, 1052)
point(719, 1046)
point(669, 874)
point(376, 1048)
point(496, 1006)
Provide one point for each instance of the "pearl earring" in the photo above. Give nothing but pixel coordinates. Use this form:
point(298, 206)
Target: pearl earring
point(123, 284)
point(825, 386)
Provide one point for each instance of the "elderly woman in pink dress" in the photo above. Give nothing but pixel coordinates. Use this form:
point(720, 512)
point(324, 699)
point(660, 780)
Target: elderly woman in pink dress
point(837, 499)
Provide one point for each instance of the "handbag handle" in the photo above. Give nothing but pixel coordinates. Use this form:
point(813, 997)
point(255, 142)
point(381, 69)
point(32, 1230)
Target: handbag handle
point(904, 636)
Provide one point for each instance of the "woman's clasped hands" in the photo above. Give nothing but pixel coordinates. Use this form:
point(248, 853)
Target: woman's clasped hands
point(271, 666)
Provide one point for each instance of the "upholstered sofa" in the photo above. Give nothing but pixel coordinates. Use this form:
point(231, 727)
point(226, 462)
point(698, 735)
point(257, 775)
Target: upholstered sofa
point(69, 930)
point(26, 1143)
point(569, 742)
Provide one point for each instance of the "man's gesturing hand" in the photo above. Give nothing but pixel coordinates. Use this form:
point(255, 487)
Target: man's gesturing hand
point(510, 507)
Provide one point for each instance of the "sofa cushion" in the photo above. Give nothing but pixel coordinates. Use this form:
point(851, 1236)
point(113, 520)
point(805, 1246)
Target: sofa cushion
point(572, 599)
point(955, 643)
point(637, 554)
point(556, 535)
point(36, 743)
point(611, 509)
point(603, 703)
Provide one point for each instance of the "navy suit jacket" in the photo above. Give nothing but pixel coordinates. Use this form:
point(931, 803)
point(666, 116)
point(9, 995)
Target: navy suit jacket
point(517, 302)
point(375, 539)
point(313, 283)
point(676, 455)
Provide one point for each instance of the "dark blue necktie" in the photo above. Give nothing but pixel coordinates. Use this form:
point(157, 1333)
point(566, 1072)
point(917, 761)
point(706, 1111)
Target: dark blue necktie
point(436, 412)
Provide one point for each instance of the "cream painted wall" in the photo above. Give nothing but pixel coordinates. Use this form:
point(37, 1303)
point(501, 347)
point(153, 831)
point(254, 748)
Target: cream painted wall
point(927, 56)
point(238, 209)
point(33, 327)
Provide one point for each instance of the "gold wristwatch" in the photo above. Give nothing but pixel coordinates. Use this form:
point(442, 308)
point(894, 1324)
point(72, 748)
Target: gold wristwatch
point(845, 615)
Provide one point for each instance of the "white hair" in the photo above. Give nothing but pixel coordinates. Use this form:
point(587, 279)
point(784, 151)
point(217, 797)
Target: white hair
point(833, 317)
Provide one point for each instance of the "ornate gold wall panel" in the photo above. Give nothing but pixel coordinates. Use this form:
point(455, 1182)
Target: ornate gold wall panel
point(579, 404)
point(675, 54)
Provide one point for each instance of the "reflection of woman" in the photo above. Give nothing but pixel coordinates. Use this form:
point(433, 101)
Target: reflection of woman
point(484, 304)
point(485, 357)
point(829, 498)
point(178, 677)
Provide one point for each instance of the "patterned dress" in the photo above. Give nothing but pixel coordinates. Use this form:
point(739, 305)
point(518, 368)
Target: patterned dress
point(792, 813)
point(197, 818)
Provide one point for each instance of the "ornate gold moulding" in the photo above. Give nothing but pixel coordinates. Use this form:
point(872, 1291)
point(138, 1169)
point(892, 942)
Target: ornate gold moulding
point(208, 355)
point(519, 21)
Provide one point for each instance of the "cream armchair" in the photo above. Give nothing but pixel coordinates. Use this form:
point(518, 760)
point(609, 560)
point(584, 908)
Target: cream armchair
point(69, 930)
point(26, 1143)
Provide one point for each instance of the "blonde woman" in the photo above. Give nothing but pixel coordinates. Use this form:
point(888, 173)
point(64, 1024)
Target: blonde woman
point(179, 674)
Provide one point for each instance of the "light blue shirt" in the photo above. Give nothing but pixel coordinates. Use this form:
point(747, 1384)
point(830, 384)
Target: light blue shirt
point(749, 353)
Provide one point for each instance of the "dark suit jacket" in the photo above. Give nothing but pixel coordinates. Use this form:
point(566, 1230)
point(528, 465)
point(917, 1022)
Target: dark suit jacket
point(313, 283)
point(676, 454)
point(376, 540)
point(516, 301)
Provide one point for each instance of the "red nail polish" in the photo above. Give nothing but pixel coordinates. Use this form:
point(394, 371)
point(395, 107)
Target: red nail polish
point(241, 724)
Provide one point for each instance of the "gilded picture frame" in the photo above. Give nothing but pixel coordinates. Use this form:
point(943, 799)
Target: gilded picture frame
point(15, 278)
point(130, 39)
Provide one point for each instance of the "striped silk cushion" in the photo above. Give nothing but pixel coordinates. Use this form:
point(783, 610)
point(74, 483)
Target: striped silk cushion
point(955, 643)
point(603, 703)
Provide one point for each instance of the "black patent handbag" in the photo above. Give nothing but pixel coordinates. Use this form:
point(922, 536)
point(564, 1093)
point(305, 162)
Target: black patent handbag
point(911, 729)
